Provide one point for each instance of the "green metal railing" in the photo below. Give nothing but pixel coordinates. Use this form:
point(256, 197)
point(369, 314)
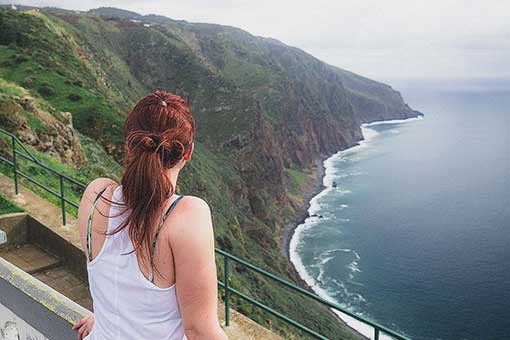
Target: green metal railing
point(227, 258)
point(27, 155)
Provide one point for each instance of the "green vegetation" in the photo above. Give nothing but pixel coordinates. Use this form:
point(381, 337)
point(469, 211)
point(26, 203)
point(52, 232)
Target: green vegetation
point(7, 207)
point(10, 89)
point(18, 110)
point(297, 180)
point(38, 53)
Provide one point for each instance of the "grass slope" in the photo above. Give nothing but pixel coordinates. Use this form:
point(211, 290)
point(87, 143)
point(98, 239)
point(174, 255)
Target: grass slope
point(8, 207)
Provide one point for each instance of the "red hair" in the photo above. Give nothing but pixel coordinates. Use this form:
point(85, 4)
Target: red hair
point(159, 131)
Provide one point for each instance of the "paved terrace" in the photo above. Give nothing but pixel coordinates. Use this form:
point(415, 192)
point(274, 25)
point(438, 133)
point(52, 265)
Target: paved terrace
point(32, 313)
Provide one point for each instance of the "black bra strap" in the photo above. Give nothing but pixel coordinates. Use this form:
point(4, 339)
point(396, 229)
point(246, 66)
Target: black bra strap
point(174, 203)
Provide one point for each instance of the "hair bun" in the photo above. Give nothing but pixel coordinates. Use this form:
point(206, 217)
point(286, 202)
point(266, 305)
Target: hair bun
point(143, 140)
point(156, 142)
point(150, 142)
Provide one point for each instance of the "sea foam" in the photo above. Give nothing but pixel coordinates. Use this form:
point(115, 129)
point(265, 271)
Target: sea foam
point(392, 121)
point(310, 222)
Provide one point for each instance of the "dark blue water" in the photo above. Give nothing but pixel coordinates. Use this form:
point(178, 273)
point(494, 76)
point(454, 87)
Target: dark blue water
point(416, 234)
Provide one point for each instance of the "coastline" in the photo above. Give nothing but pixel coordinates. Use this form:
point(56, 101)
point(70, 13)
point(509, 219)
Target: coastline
point(319, 186)
point(290, 229)
point(356, 326)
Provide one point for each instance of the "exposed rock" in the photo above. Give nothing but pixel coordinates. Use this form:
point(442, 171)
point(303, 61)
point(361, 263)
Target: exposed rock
point(50, 135)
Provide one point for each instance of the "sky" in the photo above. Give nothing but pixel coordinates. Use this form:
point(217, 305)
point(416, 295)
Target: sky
point(391, 39)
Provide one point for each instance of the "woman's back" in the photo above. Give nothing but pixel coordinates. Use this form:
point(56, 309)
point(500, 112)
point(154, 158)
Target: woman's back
point(151, 277)
point(126, 304)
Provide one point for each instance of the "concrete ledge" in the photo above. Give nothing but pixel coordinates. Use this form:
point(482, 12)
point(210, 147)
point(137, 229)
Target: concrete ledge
point(33, 303)
point(15, 226)
point(22, 228)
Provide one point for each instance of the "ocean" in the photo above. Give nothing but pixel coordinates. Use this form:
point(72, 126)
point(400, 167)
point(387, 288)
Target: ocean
point(412, 229)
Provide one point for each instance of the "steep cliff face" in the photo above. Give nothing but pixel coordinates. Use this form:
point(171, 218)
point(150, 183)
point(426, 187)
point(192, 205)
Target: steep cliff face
point(374, 101)
point(301, 108)
point(265, 113)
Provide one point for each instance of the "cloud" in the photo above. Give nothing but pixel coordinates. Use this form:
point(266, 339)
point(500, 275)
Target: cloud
point(379, 39)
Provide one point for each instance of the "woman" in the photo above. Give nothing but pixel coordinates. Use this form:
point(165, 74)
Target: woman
point(150, 252)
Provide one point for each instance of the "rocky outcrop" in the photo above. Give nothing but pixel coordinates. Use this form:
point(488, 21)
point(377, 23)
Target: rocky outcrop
point(38, 128)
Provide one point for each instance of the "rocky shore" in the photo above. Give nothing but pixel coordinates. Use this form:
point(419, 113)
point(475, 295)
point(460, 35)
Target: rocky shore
point(314, 189)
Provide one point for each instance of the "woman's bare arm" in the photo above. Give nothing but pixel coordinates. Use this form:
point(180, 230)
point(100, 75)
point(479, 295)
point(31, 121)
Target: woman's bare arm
point(87, 199)
point(192, 242)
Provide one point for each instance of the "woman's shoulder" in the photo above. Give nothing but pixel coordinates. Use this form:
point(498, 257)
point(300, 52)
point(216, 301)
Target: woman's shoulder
point(89, 195)
point(193, 215)
point(195, 203)
point(93, 189)
point(192, 229)
point(98, 185)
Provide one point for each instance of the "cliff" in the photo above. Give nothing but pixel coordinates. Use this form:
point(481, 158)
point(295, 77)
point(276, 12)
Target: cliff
point(265, 113)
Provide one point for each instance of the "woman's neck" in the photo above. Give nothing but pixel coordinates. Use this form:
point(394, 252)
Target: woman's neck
point(173, 174)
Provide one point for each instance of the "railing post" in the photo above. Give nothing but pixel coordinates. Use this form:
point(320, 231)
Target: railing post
point(227, 291)
point(62, 200)
point(15, 166)
point(376, 333)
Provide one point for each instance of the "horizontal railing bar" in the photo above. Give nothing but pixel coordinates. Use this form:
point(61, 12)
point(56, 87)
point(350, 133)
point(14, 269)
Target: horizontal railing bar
point(310, 295)
point(27, 157)
point(38, 183)
point(35, 159)
point(282, 281)
point(277, 314)
point(56, 172)
point(6, 160)
point(272, 311)
point(71, 202)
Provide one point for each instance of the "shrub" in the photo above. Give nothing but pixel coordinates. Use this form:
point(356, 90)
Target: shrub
point(7, 63)
point(45, 91)
point(9, 34)
point(27, 82)
point(20, 59)
point(10, 117)
point(74, 97)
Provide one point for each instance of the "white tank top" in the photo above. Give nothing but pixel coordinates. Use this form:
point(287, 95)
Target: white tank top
point(127, 306)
